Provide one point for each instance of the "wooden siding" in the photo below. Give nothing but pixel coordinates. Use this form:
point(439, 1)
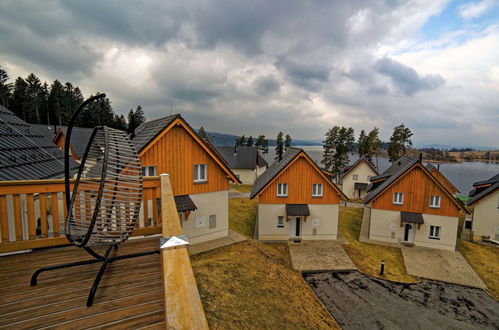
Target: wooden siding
point(444, 181)
point(300, 175)
point(417, 188)
point(60, 141)
point(175, 153)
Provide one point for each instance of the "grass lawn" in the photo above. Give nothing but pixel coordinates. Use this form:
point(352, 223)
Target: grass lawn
point(367, 257)
point(252, 285)
point(242, 215)
point(244, 188)
point(485, 261)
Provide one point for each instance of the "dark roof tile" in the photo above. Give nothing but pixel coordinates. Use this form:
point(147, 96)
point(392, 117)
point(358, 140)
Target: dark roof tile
point(297, 209)
point(411, 217)
point(242, 157)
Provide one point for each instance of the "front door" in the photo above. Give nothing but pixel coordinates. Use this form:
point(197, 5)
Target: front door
point(409, 233)
point(295, 227)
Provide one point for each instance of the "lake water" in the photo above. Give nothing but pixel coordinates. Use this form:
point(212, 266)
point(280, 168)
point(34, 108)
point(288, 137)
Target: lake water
point(462, 175)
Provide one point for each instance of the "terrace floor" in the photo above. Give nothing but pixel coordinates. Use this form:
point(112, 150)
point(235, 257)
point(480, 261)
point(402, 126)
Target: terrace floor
point(130, 294)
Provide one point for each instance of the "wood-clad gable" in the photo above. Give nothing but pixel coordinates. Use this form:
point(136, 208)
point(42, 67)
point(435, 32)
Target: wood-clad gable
point(175, 151)
point(417, 185)
point(300, 175)
point(443, 180)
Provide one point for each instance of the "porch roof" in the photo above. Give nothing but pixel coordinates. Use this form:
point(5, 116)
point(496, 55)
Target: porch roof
point(184, 203)
point(297, 209)
point(360, 186)
point(411, 217)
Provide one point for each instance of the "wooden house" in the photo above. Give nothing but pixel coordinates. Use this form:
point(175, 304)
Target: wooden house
point(408, 205)
point(246, 162)
point(296, 200)
point(484, 198)
point(199, 176)
point(79, 140)
point(441, 177)
point(355, 179)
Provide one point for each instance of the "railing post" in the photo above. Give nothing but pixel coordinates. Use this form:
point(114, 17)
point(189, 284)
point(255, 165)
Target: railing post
point(183, 307)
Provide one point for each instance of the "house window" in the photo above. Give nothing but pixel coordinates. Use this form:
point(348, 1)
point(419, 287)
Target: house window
point(317, 190)
point(149, 171)
point(369, 177)
point(434, 232)
point(355, 177)
point(398, 198)
point(282, 189)
point(213, 221)
point(280, 221)
point(200, 173)
point(435, 202)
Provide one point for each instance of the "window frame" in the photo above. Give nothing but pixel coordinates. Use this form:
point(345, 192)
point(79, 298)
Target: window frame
point(435, 232)
point(281, 192)
point(316, 192)
point(280, 225)
point(146, 170)
point(198, 172)
point(355, 177)
point(432, 199)
point(396, 200)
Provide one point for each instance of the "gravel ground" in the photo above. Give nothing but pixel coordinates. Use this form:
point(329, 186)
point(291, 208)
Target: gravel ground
point(358, 301)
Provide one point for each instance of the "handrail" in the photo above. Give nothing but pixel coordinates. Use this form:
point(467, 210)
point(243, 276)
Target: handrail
point(183, 307)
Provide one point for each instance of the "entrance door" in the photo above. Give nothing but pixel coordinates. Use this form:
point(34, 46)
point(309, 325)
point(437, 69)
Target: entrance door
point(409, 233)
point(295, 227)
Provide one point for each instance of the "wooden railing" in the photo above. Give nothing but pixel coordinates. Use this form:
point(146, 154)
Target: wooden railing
point(33, 213)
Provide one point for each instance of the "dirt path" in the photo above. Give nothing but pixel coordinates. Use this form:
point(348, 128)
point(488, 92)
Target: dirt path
point(358, 301)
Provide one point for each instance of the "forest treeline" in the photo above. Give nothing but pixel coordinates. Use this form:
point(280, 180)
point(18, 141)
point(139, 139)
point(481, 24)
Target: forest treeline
point(37, 102)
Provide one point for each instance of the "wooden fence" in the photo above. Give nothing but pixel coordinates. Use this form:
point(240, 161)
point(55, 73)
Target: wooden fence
point(33, 213)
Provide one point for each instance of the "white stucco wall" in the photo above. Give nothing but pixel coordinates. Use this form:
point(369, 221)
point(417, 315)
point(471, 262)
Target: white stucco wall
point(327, 228)
point(260, 170)
point(362, 170)
point(247, 176)
point(486, 216)
point(384, 222)
point(212, 203)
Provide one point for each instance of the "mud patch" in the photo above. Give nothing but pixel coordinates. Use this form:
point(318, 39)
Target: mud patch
point(358, 301)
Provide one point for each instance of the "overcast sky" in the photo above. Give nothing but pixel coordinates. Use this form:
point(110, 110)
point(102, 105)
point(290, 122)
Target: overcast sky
point(250, 67)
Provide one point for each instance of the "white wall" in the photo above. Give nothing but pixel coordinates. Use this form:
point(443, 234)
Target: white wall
point(362, 170)
point(486, 216)
point(212, 203)
point(384, 222)
point(327, 214)
point(247, 176)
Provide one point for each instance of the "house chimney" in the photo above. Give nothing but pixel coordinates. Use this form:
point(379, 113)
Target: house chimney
point(235, 149)
point(421, 157)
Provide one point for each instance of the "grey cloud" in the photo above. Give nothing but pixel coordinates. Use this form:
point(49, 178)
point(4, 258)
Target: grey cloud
point(267, 85)
point(406, 78)
point(306, 74)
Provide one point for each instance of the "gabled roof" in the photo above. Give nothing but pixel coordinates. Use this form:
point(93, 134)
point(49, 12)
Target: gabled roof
point(397, 170)
point(48, 131)
point(360, 160)
point(242, 157)
point(79, 138)
point(483, 188)
point(411, 217)
point(25, 153)
point(432, 168)
point(148, 132)
point(278, 166)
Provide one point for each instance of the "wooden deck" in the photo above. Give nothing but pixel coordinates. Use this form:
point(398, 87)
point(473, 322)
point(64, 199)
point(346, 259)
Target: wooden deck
point(130, 294)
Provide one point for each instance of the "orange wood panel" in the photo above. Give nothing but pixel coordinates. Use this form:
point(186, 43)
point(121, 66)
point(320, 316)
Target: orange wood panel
point(176, 153)
point(300, 175)
point(17, 217)
point(4, 219)
point(43, 215)
point(444, 181)
point(30, 204)
point(55, 214)
point(417, 188)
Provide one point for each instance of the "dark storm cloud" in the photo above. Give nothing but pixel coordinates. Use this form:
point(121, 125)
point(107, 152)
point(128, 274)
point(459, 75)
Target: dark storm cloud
point(406, 78)
point(267, 85)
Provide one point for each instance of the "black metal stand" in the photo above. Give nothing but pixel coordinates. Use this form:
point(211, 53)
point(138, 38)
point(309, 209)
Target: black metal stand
point(98, 258)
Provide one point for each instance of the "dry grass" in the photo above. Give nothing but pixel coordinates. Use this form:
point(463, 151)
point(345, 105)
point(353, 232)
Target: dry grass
point(251, 285)
point(485, 261)
point(367, 257)
point(242, 215)
point(244, 188)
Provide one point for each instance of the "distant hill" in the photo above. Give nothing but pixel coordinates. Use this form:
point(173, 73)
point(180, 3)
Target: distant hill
point(222, 139)
point(448, 147)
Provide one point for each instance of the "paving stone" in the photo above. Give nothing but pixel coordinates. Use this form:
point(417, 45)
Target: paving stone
point(319, 256)
point(232, 238)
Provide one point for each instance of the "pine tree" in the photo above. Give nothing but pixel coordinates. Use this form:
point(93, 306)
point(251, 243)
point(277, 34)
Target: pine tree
point(287, 142)
point(5, 88)
point(400, 141)
point(373, 144)
point(262, 144)
point(33, 94)
point(20, 98)
point(250, 142)
point(71, 98)
point(45, 111)
point(119, 122)
point(131, 123)
point(337, 147)
point(55, 101)
point(362, 144)
point(241, 141)
point(202, 133)
point(140, 116)
point(279, 147)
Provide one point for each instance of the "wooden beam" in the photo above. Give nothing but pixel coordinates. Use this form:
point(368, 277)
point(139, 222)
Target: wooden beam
point(183, 307)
